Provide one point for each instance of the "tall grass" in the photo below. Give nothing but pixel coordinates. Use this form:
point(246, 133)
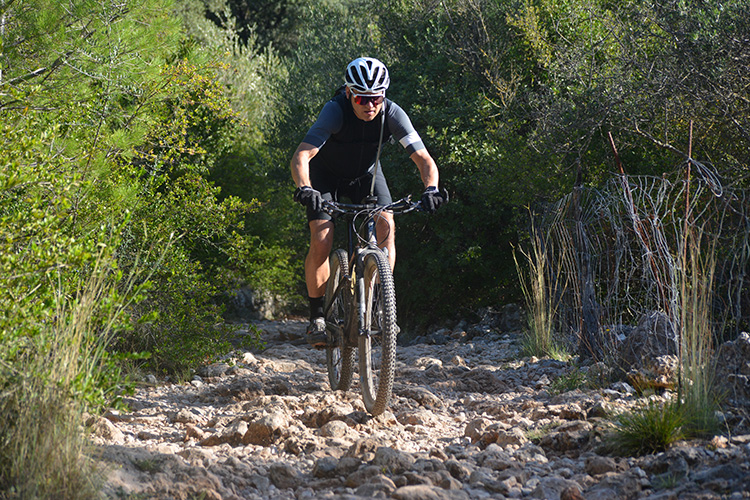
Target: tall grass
point(693, 412)
point(697, 390)
point(47, 387)
point(541, 287)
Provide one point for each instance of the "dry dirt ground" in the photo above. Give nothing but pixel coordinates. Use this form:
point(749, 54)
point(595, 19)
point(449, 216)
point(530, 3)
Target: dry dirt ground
point(469, 420)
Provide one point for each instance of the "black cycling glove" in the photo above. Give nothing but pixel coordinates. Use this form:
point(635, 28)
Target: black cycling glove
point(309, 197)
point(432, 199)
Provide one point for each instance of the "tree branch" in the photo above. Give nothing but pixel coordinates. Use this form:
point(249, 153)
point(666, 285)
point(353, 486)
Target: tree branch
point(660, 143)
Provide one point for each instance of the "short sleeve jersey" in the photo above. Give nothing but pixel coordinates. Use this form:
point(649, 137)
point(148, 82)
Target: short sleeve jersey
point(348, 146)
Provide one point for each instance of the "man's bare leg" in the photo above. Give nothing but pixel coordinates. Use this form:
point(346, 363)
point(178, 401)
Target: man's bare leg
point(316, 262)
point(316, 276)
point(385, 226)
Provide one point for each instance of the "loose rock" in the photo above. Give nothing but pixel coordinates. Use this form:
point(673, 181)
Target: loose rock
point(468, 420)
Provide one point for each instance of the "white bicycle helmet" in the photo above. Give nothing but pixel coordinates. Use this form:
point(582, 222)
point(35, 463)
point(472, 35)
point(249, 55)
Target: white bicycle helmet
point(366, 75)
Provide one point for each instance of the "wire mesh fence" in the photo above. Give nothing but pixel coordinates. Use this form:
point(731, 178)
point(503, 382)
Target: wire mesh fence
point(616, 253)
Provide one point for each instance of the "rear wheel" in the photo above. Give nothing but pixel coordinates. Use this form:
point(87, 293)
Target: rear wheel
point(377, 348)
point(338, 305)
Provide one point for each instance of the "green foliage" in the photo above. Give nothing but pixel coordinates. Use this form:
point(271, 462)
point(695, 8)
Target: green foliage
point(112, 124)
point(313, 72)
point(249, 70)
point(316, 71)
point(134, 127)
point(275, 24)
point(650, 428)
point(576, 379)
point(253, 169)
point(44, 266)
point(514, 101)
point(654, 427)
point(447, 96)
point(667, 480)
point(61, 307)
point(189, 230)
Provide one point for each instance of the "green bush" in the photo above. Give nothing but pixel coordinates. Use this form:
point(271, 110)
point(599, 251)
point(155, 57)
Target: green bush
point(650, 428)
point(61, 307)
point(186, 232)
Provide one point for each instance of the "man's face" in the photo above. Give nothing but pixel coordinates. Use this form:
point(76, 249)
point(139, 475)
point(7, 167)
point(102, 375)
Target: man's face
point(366, 106)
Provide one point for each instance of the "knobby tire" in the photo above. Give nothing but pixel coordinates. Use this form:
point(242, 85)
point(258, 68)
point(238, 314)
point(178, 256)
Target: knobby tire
point(339, 315)
point(377, 349)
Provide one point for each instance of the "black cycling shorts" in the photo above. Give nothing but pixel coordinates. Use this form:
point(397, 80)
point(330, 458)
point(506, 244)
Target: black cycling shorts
point(334, 188)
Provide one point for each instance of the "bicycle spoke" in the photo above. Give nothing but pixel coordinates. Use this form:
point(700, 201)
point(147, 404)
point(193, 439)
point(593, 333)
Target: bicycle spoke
point(339, 355)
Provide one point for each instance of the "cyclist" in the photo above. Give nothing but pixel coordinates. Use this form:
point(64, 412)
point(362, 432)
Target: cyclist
point(339, 158)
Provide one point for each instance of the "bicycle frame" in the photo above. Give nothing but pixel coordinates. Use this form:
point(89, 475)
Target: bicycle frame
point(362, 277)
point(359, 244)
point(358, 257)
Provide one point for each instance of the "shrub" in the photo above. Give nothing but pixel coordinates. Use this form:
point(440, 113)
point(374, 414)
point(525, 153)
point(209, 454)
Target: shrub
point(61, 306)
point(650, 428)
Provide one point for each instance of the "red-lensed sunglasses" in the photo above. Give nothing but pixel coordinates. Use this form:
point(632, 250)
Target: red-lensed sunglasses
point(364, 100)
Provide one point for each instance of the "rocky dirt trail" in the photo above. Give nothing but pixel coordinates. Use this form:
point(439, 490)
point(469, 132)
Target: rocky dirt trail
point(469, 420)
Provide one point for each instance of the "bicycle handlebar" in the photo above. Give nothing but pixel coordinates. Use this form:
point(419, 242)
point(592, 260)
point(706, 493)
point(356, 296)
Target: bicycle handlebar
point(402, 206)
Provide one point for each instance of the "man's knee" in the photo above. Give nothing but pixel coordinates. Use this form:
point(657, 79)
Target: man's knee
point(386, 227)
point(321, 237)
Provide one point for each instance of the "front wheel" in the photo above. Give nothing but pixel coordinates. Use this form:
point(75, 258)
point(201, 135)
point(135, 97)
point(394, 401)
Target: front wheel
point(377, 341)
point(338, 308)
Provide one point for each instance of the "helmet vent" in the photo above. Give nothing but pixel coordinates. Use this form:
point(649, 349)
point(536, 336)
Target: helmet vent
point(367, 75)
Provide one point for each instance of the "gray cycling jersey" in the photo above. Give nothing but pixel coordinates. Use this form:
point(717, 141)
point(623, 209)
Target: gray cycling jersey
point(348, 145)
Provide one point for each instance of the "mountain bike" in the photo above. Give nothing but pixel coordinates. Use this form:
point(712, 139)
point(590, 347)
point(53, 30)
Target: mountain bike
point(360, 304)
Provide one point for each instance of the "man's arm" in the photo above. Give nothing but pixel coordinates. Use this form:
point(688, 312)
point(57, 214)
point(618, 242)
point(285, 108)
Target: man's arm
point(329, 121)
point(427, 168)
point(403, 131)
point(300, 163)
